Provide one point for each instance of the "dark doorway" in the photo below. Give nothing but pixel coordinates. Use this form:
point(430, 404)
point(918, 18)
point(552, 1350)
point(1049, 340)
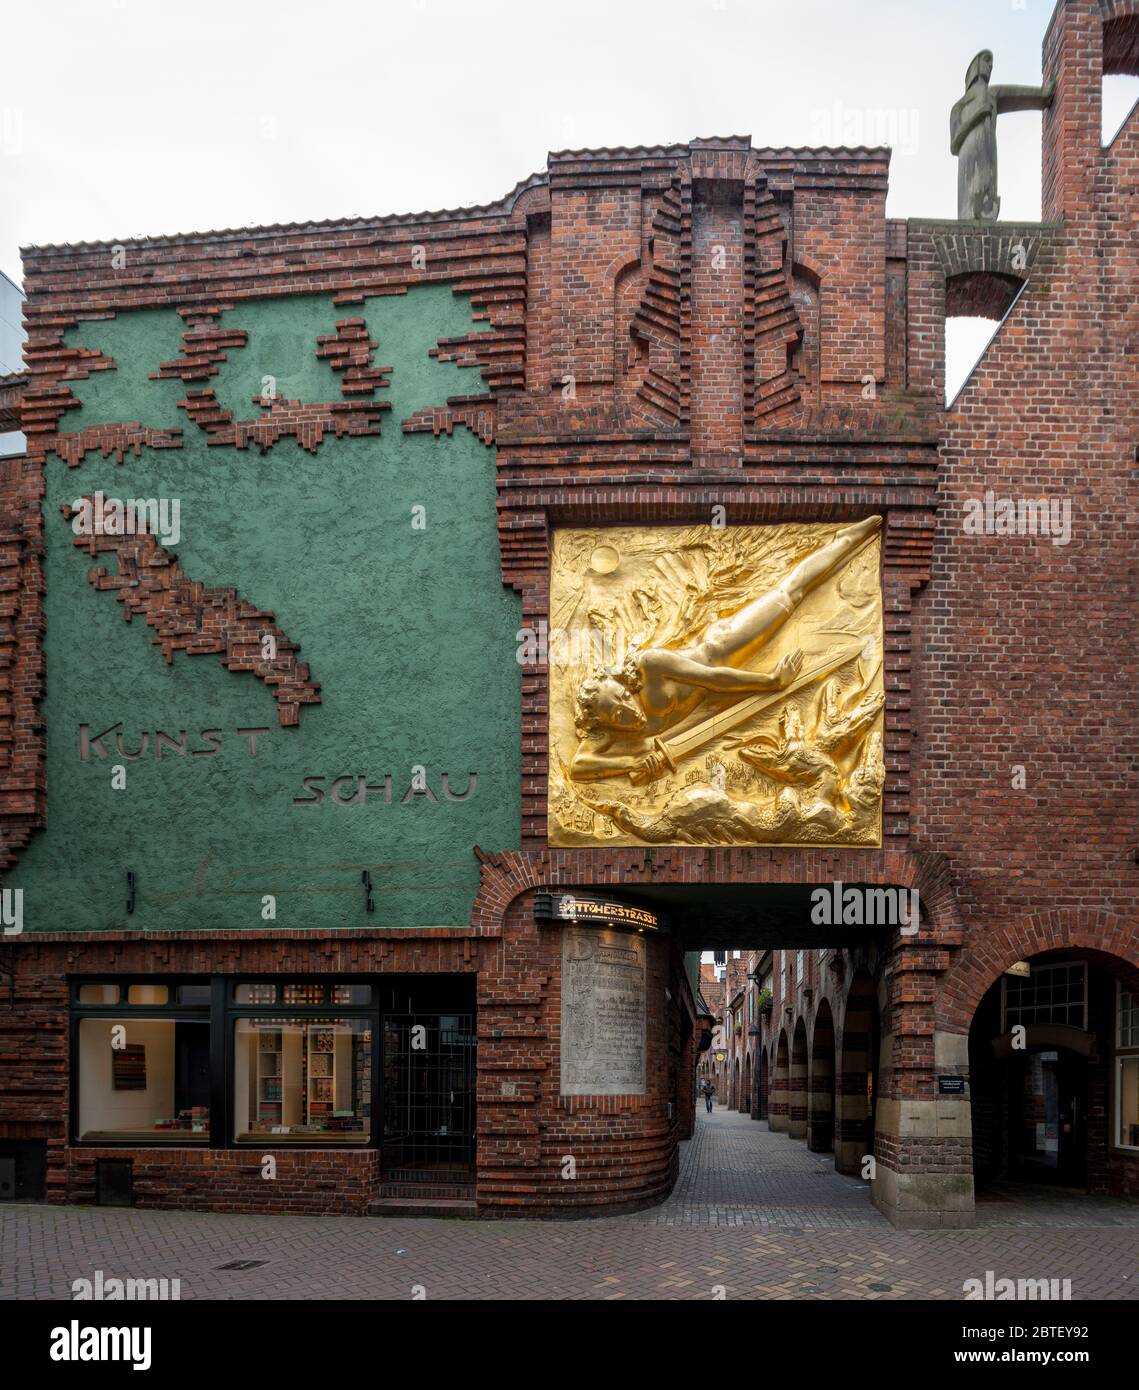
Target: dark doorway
point(1047, 1109)
point(428, 1103)
point(23, 1170)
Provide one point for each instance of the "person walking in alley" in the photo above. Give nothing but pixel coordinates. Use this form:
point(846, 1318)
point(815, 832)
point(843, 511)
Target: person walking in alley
point(709, 1092)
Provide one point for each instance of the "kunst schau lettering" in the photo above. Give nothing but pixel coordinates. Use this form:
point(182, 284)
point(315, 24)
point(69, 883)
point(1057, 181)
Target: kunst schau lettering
point(98, 515)
point(114, 742)
point(355, 789)
point(838, 905)
point(1019, 516)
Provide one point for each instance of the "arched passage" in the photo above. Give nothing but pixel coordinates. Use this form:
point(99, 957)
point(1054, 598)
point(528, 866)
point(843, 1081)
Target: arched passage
point(797, 1094)
point(780, 1083)
point(1054, 1075)
point(820, 1094)
point(762, 1098)
point(745, 1098)
point(734, 1098)
point(857, 1080)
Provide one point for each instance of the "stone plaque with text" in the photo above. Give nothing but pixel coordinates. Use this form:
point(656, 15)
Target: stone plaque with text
point(603, 1013)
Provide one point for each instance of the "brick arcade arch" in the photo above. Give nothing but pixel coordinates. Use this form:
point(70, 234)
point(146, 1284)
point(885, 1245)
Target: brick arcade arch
point(777, 1116)
point(1120, 37)
point(761, 1112)
point(797, 1094)
point(1043, 1105)
point(821, 1087)
point(857, 1079)
point(973, 973)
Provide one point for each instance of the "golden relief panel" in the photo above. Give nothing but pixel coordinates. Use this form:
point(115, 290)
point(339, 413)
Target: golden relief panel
point(716, 685)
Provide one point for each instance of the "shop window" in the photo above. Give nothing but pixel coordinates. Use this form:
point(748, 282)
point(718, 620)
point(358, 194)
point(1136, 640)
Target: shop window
point(260, 993)
point(1127, 1070)
point(148, 994)
point(143, 1079)
point(1049, 994)
point(304, 994)
point(98, 994)
point(193, 994)
point(302, 1080)
point(1127, 1031)
point(351, 994)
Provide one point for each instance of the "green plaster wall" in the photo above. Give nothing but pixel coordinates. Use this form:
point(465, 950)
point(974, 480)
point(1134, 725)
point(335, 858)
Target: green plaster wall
point(410, 633)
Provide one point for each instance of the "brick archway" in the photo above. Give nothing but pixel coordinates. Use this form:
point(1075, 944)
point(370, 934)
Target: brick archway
point(1120, 37)
point(761, 1109)
point(1102, 935)
point(506, 875)
point(856, 1083)
point(820, 1091)
point(780, 1083)
point(797, 1094)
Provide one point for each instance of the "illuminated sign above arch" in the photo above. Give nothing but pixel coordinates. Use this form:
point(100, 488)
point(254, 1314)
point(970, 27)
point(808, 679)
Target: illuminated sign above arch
point(571, 909)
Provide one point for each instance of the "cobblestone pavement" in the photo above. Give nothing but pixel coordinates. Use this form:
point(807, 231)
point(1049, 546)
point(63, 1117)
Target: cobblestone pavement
point(753, 1214)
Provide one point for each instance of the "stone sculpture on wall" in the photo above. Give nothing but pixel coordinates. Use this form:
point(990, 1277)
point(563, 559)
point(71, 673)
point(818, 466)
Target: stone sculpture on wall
point(973, 135)
point(716, 685)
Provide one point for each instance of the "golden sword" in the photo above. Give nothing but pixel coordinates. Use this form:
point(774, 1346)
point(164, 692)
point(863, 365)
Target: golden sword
point(675, 748)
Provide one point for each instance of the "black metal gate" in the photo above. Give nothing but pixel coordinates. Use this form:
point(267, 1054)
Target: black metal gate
point(427, 1109)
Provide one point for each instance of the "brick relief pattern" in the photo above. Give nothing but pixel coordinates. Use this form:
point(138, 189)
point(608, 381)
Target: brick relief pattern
point(190, 618)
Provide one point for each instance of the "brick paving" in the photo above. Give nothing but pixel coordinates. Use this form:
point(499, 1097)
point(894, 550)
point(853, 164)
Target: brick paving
point(753, 1214)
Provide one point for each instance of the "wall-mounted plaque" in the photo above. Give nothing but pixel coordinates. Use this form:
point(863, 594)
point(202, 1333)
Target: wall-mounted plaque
point(603, 1013)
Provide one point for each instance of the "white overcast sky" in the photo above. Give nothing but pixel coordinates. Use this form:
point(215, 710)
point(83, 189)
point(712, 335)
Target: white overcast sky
point(121, 118)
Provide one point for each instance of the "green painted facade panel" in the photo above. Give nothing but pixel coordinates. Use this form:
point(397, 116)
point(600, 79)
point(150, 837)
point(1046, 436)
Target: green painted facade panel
point(409, 631)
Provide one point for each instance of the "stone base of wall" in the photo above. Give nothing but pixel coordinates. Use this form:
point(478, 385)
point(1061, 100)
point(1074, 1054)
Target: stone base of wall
point(924, 1201)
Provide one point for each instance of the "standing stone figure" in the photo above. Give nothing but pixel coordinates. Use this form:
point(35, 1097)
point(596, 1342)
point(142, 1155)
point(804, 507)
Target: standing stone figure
point(973, 135)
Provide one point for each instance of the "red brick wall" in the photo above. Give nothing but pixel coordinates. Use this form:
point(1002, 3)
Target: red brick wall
point(1001, 652)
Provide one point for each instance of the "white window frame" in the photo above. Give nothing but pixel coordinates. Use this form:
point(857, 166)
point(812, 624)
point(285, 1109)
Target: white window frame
point(1040, 969)
point(1124, 1052)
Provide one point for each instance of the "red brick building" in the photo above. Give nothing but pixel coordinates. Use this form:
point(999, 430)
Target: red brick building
point(654, 332)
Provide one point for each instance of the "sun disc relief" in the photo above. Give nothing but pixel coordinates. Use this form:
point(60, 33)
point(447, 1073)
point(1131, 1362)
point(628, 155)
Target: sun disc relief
point(716, 685)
